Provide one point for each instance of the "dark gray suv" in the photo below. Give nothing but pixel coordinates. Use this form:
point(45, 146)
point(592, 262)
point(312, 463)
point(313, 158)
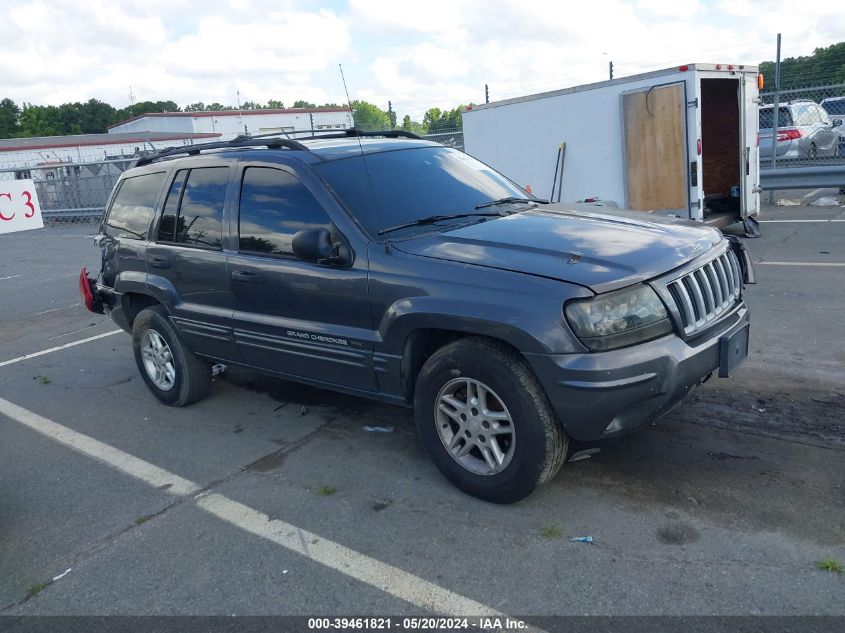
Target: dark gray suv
point(394, 268)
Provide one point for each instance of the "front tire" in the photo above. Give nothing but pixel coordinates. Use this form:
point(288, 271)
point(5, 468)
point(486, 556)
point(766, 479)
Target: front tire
point(486, 421)
point(174, 374)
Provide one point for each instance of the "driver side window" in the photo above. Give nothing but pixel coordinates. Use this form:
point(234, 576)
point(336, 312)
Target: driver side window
point(274, 206)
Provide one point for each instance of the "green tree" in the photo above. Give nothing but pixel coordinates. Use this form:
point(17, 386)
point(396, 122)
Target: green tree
point(368, 116)
point(432, 119)
point(274, 104)
point(95, 116)
point(40, 121)
point(825, 66)
point(9, 115)
point(299, 103)
point(199, 106)
point(251, 105)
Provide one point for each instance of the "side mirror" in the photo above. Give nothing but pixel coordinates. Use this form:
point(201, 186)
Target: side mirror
point(317, 245)
point(836, 122)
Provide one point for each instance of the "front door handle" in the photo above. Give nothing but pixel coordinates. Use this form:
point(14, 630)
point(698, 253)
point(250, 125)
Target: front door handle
point(158, 262)
point(247, 276)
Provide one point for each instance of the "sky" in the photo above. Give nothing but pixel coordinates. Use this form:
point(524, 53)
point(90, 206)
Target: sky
point(415, 54)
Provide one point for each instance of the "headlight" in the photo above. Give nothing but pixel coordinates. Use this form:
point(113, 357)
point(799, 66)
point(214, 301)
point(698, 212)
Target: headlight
point(618, 319)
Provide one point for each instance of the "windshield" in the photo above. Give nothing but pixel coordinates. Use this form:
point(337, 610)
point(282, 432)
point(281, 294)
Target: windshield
point(767, 118)
point(410, 184)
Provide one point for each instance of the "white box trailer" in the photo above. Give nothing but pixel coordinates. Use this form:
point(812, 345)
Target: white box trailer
point(680, 141)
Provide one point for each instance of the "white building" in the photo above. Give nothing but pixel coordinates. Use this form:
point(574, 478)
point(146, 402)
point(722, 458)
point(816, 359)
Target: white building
point(43, 151)
point(231, 123)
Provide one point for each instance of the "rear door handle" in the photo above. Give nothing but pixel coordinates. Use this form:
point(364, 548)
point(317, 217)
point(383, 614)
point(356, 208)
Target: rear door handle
point(158, 262)
point(247, 276)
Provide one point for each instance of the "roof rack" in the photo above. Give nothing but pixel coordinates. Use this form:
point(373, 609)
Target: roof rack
point(271, 141)
point(193, 150)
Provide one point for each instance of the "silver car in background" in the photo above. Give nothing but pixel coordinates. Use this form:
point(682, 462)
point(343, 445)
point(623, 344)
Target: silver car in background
point(835, 108)
point(804, 131)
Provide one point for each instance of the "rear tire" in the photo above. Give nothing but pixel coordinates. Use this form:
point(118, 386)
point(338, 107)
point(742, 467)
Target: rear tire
point(174, 374)
point(452, 388)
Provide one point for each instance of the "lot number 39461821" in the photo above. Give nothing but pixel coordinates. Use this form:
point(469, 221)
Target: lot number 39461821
point(19, 208)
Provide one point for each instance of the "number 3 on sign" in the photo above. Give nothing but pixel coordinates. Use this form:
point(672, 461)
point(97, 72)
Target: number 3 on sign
point(19, 208)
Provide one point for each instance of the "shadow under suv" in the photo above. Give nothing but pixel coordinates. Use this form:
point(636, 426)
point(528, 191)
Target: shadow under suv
point(394, 268)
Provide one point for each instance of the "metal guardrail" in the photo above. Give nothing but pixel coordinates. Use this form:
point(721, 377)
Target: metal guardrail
point(815, 177)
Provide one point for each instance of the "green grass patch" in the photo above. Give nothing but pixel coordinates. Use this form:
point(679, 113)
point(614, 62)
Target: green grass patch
point(35, 589)
point(830, 564)
point(326, 491)
point(550, 532)
point(143, 519)
point(42, 379)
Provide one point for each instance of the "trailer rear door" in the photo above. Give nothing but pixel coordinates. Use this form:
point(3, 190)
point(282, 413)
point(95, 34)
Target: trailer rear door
point(654, 121)
point(749, 151)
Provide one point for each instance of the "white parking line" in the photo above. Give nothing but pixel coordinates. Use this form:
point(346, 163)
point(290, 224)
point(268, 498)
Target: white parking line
point(375, 573)
point(834, 264)
point(386, 577)
point(11, 361)
point(124, 462)
point(802, 221)
point(9, 277)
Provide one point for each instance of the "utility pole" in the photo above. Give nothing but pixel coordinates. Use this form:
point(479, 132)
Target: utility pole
point(486, 94)
point(390, 114)
point(610, 67)
point(775, 113)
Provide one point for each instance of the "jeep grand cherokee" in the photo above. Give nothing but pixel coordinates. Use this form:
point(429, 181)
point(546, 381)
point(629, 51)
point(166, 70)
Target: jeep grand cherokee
point(394, 268)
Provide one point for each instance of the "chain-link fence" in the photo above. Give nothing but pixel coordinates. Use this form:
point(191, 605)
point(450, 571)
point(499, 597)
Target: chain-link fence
point(71, 192)
point(449, 138)
point(77, 192)
point(809, 130)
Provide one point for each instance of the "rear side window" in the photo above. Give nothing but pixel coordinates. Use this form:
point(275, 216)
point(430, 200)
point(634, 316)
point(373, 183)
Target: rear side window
point(767, 118)
point(835, 108)
point(133, 205)
point(274, 206)
point(193, 211)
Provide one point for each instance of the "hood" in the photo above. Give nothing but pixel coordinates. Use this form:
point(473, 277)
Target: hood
point(602, 250)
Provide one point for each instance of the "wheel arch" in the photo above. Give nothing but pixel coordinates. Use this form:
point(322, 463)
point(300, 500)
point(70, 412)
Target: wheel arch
point(422, 342)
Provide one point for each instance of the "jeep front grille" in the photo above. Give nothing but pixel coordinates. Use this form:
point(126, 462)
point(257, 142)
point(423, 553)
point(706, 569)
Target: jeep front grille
point(707, 293)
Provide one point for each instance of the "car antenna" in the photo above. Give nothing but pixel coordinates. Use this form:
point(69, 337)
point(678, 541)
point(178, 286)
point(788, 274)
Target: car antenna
point(363, 158)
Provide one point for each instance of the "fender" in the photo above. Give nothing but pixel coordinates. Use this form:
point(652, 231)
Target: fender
point(415, 313)
point(160, 288)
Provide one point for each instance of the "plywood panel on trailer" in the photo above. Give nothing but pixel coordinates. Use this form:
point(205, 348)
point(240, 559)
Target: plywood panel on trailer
point(655, 148)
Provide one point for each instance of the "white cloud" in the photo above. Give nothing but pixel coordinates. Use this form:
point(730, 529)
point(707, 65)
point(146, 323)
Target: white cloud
point(415, 54)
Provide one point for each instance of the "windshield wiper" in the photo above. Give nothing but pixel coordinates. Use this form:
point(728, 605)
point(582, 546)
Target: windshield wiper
point(431, 219)
point(509, 200)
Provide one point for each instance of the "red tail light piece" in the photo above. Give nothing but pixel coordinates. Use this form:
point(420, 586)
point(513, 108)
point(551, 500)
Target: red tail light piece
point(87, 289)
point(788, 135)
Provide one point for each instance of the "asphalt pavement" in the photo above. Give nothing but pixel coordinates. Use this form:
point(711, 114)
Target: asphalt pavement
point(271, 498)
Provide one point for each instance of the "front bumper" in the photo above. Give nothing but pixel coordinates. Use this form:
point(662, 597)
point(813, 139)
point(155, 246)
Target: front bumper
point(604, 394)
